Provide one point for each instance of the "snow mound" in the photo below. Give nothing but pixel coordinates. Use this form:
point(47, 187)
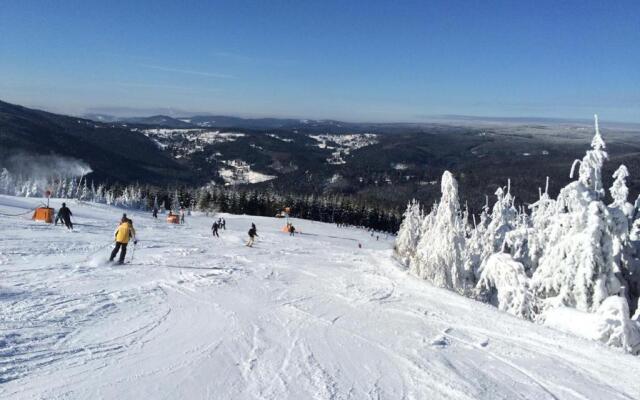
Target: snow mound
point(610, 324)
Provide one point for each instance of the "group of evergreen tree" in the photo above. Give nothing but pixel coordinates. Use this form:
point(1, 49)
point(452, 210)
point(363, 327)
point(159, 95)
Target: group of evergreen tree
point(573, 251)
point(339, 209)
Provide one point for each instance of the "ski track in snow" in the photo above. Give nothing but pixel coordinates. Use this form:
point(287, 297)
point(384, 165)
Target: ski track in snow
point(308, 317)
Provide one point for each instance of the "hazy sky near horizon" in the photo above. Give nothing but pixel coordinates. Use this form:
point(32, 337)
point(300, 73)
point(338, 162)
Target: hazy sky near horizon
point(353, 60)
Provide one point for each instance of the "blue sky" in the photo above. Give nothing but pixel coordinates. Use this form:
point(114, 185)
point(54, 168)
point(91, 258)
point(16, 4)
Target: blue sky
point(349, 60)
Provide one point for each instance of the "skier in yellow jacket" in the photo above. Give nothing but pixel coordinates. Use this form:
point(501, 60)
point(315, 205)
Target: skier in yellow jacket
point(124, 233)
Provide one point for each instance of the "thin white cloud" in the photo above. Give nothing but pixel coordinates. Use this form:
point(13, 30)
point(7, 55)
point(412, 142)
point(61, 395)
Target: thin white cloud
point(162, 86)
point(188, 71)
point(251, 59)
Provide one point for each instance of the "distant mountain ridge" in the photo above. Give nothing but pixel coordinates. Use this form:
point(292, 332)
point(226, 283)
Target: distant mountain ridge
point(223, 121)
point(175, 120)
point(154, 120)
point(159, 120)
point(115, 154)
point(389, 163)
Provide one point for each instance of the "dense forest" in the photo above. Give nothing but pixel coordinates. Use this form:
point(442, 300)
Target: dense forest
point(339, 209)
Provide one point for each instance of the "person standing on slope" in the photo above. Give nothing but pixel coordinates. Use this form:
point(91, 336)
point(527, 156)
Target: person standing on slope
point(58, 218)
point(64, 214)
point(214, 229)
point(223, 223)
point(292, 230)
point(252, 235)
point(155, 213)
point(123, 234)
point(182, 215)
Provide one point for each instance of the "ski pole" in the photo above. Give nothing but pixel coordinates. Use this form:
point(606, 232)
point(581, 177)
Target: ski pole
point(133, 252)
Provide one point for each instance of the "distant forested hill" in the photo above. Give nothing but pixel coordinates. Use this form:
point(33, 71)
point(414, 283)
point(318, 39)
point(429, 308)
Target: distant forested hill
point(386, 164)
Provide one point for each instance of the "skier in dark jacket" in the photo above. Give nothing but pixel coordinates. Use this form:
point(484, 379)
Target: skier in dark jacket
point(223, 223)
point(214, 229)
point(64, 215)
point(155, 212)
point(58, 218)
point(292, 230)
point(252, 235)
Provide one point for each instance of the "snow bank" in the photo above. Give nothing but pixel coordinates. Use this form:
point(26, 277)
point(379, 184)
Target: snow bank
point(610, 324)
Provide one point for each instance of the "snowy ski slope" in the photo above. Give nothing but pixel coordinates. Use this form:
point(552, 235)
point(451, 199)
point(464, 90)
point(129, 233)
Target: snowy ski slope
point(308, 317)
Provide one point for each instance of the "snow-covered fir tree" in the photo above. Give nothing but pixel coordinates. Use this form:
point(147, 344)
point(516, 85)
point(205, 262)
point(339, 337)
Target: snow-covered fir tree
point(573, 251)
point(175, 201)
point(504, 283)
point(71, 189)
point(409, 233)
point(440, 251)
point(85, 192)
point(542, 214)
point(577, 268)
point(503, 220)
point(590, 172)
point(6, 182)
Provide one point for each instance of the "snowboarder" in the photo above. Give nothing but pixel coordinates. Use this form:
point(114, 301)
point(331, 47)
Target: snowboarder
point(64, 215)
point(123, 234)
point(252, 235)
point(214, 229)
point(155, 212)
point(292, 230)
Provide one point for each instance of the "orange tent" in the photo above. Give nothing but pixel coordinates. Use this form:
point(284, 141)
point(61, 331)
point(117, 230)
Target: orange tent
point(285, 229)
point(44, 214)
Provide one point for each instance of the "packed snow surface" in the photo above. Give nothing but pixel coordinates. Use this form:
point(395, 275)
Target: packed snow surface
point(310, 316)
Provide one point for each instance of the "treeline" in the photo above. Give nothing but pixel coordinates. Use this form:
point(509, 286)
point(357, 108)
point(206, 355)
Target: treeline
point(348, 210)
point(331, 208)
